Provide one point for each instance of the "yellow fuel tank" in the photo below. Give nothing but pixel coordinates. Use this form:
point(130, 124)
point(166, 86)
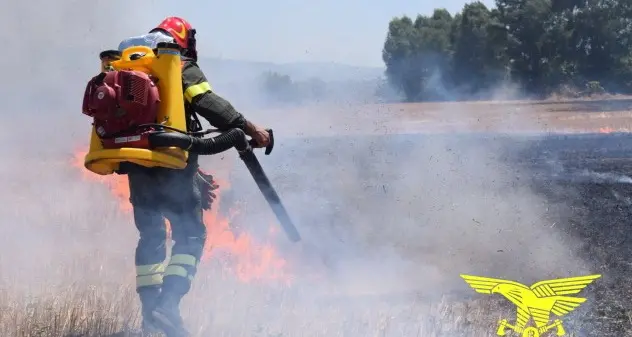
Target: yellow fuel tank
point(164, 65)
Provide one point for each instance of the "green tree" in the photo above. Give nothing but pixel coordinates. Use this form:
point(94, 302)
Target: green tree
point(541, 44)
point(602, 32)
point(527, 44)
point(433, 50)
point(279, 88)
point(399, 56)
point(478, 60)
point(414, 51)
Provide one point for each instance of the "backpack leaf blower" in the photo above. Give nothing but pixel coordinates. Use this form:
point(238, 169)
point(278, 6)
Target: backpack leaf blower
point(137, 107)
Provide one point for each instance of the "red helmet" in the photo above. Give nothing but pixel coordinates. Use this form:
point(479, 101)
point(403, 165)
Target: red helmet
point(179, 29)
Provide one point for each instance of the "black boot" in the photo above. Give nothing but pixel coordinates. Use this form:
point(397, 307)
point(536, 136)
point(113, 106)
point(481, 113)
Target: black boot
point(166, 315)
point(149, 297)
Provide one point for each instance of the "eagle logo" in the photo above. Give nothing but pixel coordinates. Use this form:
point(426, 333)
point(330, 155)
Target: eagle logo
point(537, 301)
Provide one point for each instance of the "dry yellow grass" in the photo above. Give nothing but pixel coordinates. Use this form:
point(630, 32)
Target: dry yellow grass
point(612, 114)
point(71, 311)
point(77, 311)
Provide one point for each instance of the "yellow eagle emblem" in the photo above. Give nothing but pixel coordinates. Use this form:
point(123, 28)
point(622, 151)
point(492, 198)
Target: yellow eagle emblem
point(537, 301)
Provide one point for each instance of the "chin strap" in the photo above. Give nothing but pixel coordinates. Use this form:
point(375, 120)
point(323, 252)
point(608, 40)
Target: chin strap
point(191, 50)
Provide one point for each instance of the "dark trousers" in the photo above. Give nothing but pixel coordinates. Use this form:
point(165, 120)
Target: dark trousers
point(157, 194)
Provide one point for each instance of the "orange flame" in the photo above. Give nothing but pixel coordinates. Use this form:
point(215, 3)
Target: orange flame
point(606, 130)
point(248, 259)
point(117, 184)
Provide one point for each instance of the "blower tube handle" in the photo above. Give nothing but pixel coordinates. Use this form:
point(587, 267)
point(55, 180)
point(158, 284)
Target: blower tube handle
point(270, 146)
point(208, 146)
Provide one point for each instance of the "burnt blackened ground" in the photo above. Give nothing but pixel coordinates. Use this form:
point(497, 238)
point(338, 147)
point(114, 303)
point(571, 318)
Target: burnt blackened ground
point(600, 218)
point(593, 180)
point(590, 175)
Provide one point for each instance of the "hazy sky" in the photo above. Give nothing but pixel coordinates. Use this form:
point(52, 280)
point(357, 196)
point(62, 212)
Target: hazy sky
point(344, 31)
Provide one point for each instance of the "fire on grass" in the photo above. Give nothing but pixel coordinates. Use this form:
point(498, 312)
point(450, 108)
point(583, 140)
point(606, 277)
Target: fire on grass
point(240, 254)
point(608, 129)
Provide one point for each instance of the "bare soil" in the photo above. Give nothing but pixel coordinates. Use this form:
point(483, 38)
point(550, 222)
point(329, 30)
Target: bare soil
point(611, 114)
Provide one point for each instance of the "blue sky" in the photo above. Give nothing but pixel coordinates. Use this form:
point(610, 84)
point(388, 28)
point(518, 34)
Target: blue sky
point(343, 31)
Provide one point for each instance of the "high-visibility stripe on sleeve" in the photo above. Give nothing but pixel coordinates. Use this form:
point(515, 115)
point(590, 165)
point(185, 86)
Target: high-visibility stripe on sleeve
point(196, 89)
point(148, 280)
point(149, 269)
point(184, 259)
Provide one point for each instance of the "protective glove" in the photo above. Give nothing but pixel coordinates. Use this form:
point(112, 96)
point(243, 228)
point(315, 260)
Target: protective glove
point(207, 185)
point(259, 134)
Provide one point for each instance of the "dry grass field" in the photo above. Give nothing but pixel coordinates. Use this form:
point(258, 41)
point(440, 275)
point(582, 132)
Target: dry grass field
point(66, 252)
point(588, 115)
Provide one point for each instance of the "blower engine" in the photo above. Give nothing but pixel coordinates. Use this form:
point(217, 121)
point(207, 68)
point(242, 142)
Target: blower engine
point(124, 105)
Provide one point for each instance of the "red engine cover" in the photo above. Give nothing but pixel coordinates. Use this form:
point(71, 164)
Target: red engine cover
point(120, 101)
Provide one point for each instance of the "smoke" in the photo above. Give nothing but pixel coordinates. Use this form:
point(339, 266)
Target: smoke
point(52, 49)
point(389, 220)
point(48, 215)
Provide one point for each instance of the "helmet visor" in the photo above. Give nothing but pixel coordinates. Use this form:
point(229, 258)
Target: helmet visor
point(150, 40)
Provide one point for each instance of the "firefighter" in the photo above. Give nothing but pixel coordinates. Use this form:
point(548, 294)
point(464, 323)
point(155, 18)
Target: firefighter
point(177, 195)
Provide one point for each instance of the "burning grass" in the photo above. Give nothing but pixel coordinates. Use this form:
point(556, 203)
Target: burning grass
point(249, 259)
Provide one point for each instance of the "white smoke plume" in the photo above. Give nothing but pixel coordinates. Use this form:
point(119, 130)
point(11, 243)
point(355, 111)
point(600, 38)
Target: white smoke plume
point(389, 222)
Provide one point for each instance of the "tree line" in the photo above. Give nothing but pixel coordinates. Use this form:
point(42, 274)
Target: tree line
point(543, 46)
point(280, 89)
